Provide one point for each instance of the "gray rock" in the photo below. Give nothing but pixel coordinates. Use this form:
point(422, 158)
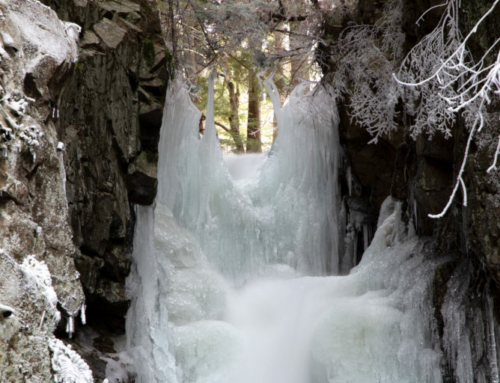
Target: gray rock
point(110, 32)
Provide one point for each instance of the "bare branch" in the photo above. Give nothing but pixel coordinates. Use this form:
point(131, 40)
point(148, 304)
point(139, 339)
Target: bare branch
point(222, 126)
point(204, 117)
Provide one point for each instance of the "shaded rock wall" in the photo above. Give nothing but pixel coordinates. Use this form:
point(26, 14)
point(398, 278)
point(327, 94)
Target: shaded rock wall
point(80, 114)
point(422, 171)
point(110, 112)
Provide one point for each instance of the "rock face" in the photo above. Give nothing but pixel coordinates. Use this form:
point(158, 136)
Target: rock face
point(37, 47)
point(110, 112)
point(421, 173)
point(81, 104)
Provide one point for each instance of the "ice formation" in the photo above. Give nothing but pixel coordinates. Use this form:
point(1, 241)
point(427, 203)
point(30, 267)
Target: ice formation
point(296, 181)
point(230, 277)
point(68, 366)
point(241, 166)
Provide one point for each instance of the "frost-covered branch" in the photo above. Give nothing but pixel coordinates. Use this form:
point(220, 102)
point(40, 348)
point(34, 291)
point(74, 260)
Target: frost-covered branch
point(367, 57)
point(442, 80)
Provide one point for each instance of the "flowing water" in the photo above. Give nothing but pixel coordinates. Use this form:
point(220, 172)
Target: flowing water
point(231, 282)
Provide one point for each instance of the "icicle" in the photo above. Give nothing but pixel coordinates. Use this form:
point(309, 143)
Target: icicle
point(210, 130)
point(274, 95)
point(41, 321)
point(70, 326)
point(415, 216)
point(492, 343)
point(349, 180)
point(83, 316)
point(62, 171)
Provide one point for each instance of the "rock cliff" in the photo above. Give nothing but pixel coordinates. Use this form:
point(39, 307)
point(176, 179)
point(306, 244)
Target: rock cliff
point(81, 104)
point(421, 173)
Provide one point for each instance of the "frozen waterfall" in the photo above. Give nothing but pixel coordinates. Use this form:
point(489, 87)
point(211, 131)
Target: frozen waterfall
point(230, 282)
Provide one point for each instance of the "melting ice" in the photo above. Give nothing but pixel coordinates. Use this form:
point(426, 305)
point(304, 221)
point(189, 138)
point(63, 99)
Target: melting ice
point(230, 282)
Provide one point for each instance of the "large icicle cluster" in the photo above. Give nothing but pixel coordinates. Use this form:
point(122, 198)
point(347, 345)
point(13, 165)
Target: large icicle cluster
point(243, 229)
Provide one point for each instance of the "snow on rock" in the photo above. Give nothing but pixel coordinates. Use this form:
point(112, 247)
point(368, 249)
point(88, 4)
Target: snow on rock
point(35, 38)
point(6, 311)
point(47, 36)
point(68, 366)
point(39, 272)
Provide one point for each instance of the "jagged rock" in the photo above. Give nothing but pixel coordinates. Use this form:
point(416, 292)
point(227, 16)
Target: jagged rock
point(141, 179)
point(103, 127)
point(47, 42)
point(34, 221)
point(89, 38)
point(24, 353)
point(143, 188)
point(92, 107)
point(120, 6)
point(372, 164)
point(111, 33)
point(88, 268)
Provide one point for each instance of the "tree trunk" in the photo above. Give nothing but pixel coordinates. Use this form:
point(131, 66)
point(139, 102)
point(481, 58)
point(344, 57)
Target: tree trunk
point(172, 31)
point(280, 46)
point(253, 123)
point(234, 121)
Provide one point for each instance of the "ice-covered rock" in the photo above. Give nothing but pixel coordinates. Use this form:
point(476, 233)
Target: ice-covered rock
point(68, 366)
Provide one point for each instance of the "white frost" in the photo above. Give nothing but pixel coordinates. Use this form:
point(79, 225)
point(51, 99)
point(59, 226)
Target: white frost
point(4, 308)
point(68, 366)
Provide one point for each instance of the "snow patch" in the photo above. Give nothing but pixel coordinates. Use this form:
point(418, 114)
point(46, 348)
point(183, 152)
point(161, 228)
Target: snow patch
point(39, 272)
point(41, 28)
point(5, 309)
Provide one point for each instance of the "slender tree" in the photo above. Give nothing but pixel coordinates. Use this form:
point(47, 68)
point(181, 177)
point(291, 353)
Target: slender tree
point(254, 143)
point(234, 120)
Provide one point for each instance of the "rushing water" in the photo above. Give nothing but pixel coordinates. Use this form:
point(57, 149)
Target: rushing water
point(231, 280)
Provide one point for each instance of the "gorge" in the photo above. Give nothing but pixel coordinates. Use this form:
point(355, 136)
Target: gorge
point(131, 253)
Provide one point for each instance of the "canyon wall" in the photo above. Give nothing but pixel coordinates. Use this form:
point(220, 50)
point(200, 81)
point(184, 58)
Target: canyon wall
point(82, 92)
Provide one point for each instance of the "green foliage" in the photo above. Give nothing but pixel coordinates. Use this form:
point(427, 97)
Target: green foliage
point(237, 38)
